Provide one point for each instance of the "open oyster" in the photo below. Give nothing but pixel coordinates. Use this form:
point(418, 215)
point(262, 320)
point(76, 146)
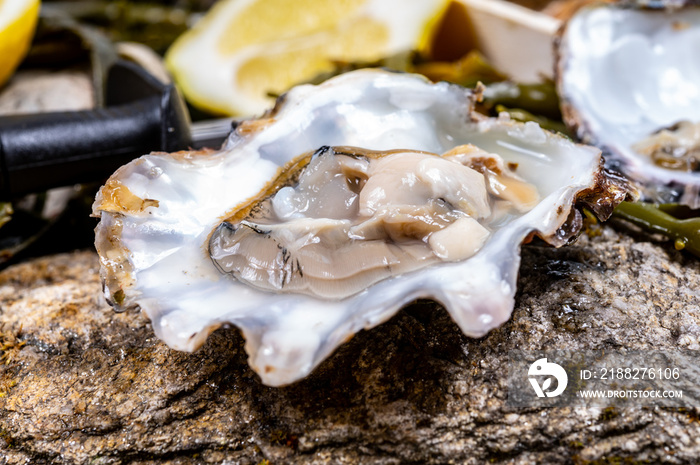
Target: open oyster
point(344, 203)
point(629, 78)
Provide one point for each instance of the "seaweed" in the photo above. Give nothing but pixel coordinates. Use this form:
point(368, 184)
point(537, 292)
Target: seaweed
point(518, 114)
point(677, 222)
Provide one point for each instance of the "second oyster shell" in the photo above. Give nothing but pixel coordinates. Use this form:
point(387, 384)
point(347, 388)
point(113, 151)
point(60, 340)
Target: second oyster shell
point(627, 72)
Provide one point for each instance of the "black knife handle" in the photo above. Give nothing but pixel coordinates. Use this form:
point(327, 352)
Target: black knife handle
point(45, 150)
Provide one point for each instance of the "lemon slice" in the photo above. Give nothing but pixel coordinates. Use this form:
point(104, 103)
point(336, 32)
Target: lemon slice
point(17, 22)
point(244, 50)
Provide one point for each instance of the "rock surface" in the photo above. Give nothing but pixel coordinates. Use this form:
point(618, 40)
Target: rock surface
point(84, 385)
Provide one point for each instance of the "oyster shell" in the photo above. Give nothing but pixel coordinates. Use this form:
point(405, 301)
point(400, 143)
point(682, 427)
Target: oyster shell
point(629, 77)
point(177, 231)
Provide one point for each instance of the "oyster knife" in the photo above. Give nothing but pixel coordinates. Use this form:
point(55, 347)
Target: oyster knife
point(142, 114)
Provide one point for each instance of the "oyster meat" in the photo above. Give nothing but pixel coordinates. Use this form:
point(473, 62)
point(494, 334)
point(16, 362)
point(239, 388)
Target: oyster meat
point(676, 148)
point(356, 217)
point(629, 78)
point(345, 202)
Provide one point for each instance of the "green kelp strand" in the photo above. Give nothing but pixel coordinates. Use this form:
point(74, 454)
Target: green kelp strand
point(539, 98)
point(678, 211)
point(684, 232)
point(467, 71)
point(524, 116)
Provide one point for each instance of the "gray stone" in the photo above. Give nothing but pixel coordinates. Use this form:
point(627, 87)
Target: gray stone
point(84, 385)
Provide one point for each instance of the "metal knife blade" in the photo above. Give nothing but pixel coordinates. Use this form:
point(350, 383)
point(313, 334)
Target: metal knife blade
point(211, 133)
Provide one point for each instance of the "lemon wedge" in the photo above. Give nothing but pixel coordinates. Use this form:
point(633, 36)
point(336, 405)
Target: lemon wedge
point(243, 51)
point(17, 22)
